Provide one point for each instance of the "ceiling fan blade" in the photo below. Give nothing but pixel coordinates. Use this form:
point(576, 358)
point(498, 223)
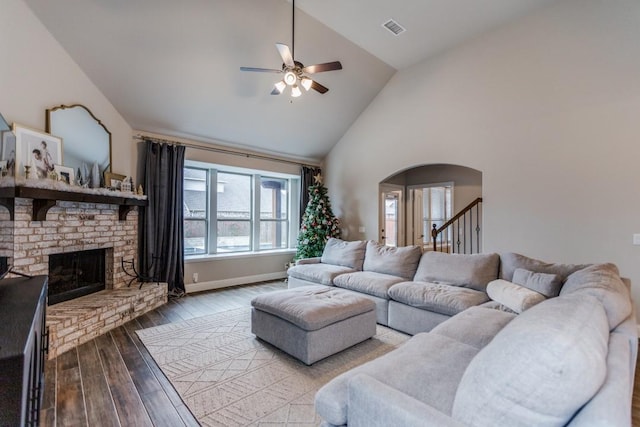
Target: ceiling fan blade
point(318, 87)
point(260, 70)
point(285, 53)
point(275, 92)
point(319, 68)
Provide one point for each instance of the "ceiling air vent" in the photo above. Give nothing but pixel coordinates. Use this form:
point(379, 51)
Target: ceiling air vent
point(394, 27)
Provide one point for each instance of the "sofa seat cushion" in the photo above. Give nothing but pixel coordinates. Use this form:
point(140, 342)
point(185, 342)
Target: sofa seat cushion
point(346, 254)
point(367, 282)
point(540, 369)
point(437, 297)
point(428, 368)
point(470, 271)
point(603, 282)
point(476, 326)
point(318, 273)
point(395, 261)
point(510, 261)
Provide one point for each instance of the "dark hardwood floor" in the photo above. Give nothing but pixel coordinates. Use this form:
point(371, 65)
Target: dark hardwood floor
point(113, 380)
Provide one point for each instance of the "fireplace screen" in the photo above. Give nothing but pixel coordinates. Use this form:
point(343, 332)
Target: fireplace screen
point(75, 274)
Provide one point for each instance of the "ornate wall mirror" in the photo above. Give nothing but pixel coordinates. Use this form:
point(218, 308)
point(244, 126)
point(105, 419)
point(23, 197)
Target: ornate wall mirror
point(85, 139)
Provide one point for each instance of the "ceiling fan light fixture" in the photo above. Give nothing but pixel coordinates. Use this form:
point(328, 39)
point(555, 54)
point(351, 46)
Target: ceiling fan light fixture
point(290, 78)
point(280, 86)
point(295, 91)
point(306, 83)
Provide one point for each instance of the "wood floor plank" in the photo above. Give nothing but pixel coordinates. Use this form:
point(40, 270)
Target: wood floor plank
point(125, 396)
point(171, 311)
point(155, 317)
point(99, 403)
point(154, 398)
point(173, 395)
point(49, 396)
point(70, 409)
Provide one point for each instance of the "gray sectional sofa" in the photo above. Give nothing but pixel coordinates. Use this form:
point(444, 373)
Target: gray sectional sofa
point(511, 340)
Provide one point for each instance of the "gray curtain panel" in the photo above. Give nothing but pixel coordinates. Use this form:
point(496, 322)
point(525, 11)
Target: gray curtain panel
point(161, 240)
point(306, 180)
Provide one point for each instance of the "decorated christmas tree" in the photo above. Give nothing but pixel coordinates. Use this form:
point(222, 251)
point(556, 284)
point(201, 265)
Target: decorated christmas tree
point(318, 222)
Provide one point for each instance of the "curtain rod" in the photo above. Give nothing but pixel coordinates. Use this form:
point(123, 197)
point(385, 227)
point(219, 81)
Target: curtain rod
point(224, 151)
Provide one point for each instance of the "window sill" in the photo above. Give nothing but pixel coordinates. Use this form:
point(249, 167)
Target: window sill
point(239, 255)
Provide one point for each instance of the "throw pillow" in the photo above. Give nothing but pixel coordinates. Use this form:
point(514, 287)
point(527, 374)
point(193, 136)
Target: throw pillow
point(547, 284)
point(512, 296)
point(346, 254)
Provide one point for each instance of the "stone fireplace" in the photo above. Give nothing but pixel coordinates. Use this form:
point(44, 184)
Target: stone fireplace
point(50, 246)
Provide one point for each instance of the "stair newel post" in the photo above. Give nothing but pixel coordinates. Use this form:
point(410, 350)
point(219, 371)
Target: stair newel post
point(434, 234)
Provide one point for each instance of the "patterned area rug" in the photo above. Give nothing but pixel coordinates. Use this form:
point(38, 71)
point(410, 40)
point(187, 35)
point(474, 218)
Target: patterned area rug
point(227, 377)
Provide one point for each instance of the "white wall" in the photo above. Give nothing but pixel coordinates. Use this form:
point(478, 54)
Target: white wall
point(547, 108)
point(36, 73)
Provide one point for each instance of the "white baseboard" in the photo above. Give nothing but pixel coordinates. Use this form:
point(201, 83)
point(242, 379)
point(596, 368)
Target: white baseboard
point(225, 283)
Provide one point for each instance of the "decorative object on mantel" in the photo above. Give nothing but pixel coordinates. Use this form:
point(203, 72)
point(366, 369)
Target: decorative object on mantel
point(27, 172)
point(113, 181)
point(127, 185)
point(65, 174)
point(36, 149)
point(49, 184)
point(95, 176)
point(140, 191)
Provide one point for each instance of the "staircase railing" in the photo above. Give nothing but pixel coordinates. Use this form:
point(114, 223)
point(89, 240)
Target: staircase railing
point(462, 227)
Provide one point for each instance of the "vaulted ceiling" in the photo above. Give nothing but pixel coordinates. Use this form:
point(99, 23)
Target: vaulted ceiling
point(172, 67)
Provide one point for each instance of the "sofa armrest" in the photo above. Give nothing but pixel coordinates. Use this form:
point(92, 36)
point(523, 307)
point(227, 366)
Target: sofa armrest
point(314, 260)
point(373, 403)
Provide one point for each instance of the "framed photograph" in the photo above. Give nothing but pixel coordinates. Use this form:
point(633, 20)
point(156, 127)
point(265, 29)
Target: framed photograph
point(113, 180)
point(65, 174)
point(9, 151)
point(37, 149)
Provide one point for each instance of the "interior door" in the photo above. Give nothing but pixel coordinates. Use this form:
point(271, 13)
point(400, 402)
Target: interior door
point(417, 224)
point(392, 215)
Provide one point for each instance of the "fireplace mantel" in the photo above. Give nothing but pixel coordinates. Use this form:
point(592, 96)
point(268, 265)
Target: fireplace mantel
point(44, 199)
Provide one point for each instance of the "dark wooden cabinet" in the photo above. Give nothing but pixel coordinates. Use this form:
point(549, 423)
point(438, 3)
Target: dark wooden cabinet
point(23, 347)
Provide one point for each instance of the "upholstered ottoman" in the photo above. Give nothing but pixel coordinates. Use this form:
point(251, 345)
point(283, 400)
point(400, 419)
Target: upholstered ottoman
point(313, 322)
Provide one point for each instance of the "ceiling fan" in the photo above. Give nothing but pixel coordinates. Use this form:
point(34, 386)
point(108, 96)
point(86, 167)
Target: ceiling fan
point(295, 73)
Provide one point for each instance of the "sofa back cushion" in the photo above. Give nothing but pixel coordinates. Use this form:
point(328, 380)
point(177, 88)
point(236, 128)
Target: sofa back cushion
point(510, 261)
point(540, 369)
point(471, 271)
point(346, 254)
point(400, 261)
point(603, 282)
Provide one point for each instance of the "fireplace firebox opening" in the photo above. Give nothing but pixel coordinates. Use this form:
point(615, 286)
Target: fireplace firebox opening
point(74, 274)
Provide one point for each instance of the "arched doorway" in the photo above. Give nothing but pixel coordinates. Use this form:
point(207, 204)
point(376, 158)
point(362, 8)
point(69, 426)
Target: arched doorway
point(415, 199)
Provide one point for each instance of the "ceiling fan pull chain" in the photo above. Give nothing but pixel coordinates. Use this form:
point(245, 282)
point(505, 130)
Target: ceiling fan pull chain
point(293, 28)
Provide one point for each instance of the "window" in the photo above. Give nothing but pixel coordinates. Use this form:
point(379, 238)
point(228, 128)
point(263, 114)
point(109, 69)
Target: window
point(195, 196)
point(249, 211)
